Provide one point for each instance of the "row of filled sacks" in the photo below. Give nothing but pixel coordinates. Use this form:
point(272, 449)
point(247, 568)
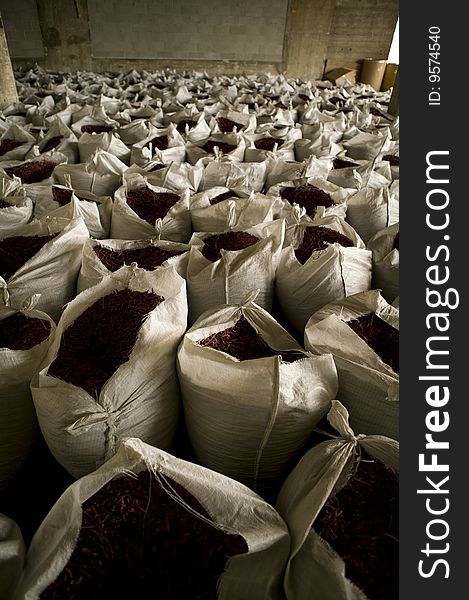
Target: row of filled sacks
point(305, 265)
point(251, 394)
point(141, 141)
point(40, 106)
point(103, 173)
point(147, 520)
point(170, 203)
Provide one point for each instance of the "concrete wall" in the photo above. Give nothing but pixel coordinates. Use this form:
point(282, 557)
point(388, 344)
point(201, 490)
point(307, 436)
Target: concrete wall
point(297, 37)
point(21, 22)
point(361, 29)
point(187, 30)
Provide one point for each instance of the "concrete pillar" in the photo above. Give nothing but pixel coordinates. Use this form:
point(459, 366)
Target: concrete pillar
point(307, 37)
point(394, 102)
point(65, 34)
point(8, 93)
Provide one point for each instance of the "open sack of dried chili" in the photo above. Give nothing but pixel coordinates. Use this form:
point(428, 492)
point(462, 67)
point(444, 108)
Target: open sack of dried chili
point(341, 506)
point(362, 333)
point(63, 201)
point(251, 394)
point(147, 524)
point(231, 145)
point(25, 337)
point(101, 174)
point(92, 120)
point(325, 261)
point(12, 555)
point(142, 210)
point(168, 143)
point(15, 211)
point(358, 174)
point(102, 258)
point(228, 121)
point(15, 143)
point(35, 170)
point(43, 258)
point(224, 267)
point(59, 138)
point(385, 248)
point(316, 196)
point(221, 208)
point(111, 369)
point(259, 146)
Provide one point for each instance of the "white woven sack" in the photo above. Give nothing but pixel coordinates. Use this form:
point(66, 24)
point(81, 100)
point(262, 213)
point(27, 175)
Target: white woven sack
point(18, 424)
point(174, 153)
point(394, 195)
point(313, 564)
point(328, 275)
point(175, 177)
point(68, 144)
point(284, 151)
point(135, 131)
point(321, 147)
point(12, 555)
point(370, 210)
point(19, 212)
point(249, 419)
point(108, 141)
point(127, 225)
point(232, 508)
point(95, 211)
point(365, 175)
point(199, 132)
point(385, 262)
point(279, 171)
point(324, 122)
point(17, 133)
point(394, 168)
point(246, 121)
point(368, 387)
point(9, 185)
point(52, 272)
point(367, 146)
point(93, 271)
point(224, 171)
point(195, 152)
point(229, 279)
point(243, 210)
point(140, 399)
point(101, 174)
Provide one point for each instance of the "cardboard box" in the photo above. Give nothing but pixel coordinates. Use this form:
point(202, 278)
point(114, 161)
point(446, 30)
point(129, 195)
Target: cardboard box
point(342, 76)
